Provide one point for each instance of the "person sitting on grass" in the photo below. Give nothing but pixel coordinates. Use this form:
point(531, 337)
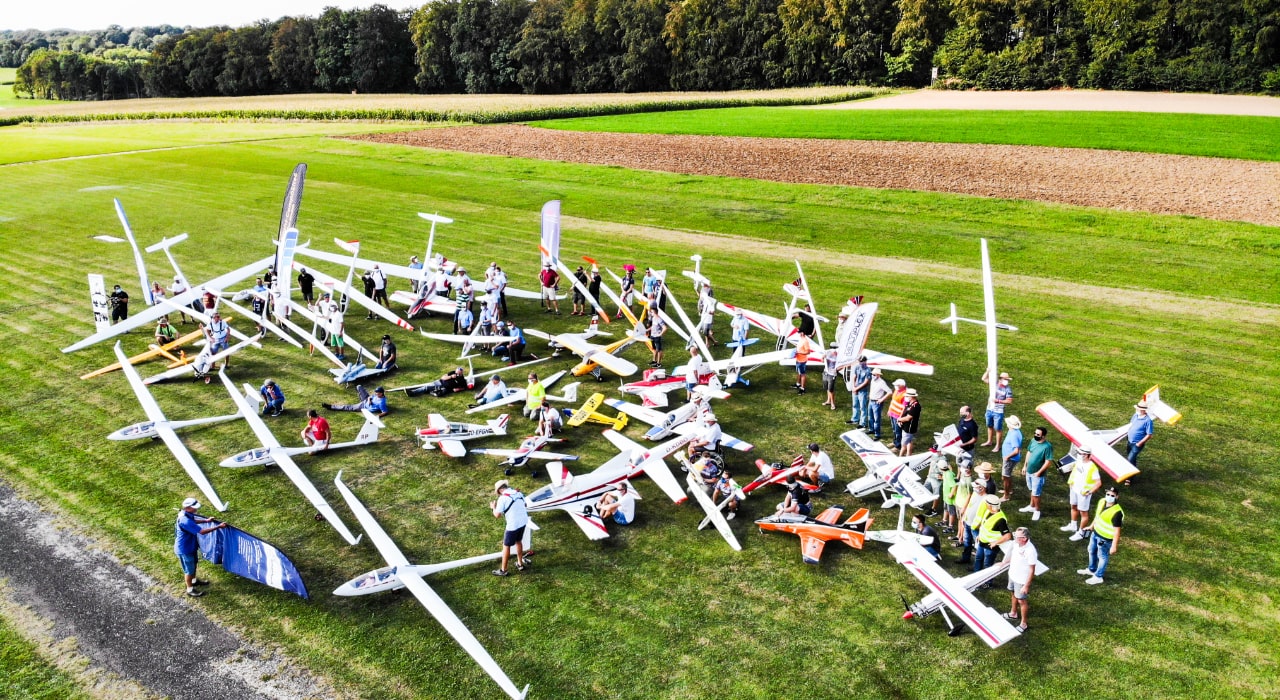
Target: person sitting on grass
point(375, 404)
point(619, 504)
point(726, 488)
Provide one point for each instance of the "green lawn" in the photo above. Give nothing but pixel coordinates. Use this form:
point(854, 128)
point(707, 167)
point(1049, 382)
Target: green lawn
point(1250, 138)
point(24, 673)
point(10, 100)
point(662, 610)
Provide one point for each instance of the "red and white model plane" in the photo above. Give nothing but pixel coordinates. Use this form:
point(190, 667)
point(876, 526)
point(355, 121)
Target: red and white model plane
point(993, 629)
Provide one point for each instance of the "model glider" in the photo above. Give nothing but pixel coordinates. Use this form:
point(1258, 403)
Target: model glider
point(677, 420)
point(1104, 455)
point(577, 495)
point(204, 361)
point(530, 449)
point(266, 456)
point(984, 621)
point(164, 430)
point(281, 457)
point(406, 575)
point(988, 301)
point(715, 513)
point(448, 437)
point(815, 533)
point(350, 292)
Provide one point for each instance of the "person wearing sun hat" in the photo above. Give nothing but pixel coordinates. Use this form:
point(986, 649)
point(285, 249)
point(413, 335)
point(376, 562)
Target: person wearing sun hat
point(186, 531)
point(909, 421)
point(992, 532)
point(995, 410)
point(1140, 431)
point(1084, 482)
point(1011, 455)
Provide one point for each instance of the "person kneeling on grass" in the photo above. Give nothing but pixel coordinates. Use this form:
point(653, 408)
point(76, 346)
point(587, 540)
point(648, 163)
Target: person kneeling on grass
point(272, 398)
point(619, 504)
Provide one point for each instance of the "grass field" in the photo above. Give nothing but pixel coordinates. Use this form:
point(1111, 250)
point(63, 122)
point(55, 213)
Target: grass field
point(1109, 304)
point(1251, 138)
point(8, 100)
point(26, 673)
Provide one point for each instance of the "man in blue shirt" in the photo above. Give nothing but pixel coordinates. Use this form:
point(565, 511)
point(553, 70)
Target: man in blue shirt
point(1140, 430)
point(375, 403)
point(1011, 454)
point(273, 398)
point(186, 532)
point(862, 393)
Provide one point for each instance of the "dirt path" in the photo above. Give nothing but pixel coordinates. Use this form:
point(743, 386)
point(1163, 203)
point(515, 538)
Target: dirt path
point(1075, 101)
point(118, 631)
point(1215, 188)
point(1156, 302)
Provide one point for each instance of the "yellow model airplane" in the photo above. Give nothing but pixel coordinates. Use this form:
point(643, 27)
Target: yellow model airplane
point(165, 351)
point(589, 414)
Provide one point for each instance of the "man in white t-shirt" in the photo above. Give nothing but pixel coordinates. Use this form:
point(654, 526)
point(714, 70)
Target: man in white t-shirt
point(818, 470)
point(1023, 560)
point(510, 505)
point(708, 439)
point(692, 370)
point(619, 504)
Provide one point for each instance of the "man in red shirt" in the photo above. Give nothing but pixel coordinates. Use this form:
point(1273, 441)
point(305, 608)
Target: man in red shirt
point(317, 430)
point(550, 279)
point(803, 350)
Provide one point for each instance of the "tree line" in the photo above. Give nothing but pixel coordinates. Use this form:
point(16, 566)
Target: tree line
point(558, 46)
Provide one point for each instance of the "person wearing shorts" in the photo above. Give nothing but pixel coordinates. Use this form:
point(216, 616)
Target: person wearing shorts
point(317, 431)
point(656, 328)
point(1023, 560)
point(909, 421)
point(186, 532)
point(1083, 482)
point(510, 505)
point(619, 504)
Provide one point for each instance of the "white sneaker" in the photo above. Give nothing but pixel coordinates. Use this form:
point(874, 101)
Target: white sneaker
point(1025, 509)
point(1069, 527)
point(1084, 572)
point(1093, 581)
point(1076, 537)
point(731, 515)
point(1035, 515)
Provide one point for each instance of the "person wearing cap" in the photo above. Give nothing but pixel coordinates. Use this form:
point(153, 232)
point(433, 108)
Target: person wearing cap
point(165, 333)
point(1010, 455)
point(218, 334)
point(579, 295)
point(920, 527)
point(331, 316)
point(880, 394)
point(1039, 457)
point(512, 350)
point(272, 398)
point(386, 354)
point(317, 431)
point(490, 392)
point(510, 504)
point(500, 289)
point(593, 286)
point(896, 401)
point(375, 403)
point(706, 315)
point(983, 474)
point(463, 318)
point(830, 374)
point(1084, 481)
point(627, 287)
point(1106, 536)
point(656, 328)
point(550, 281)
point(1023, 560)
point(307, 285)
point(949, 488)
point(995, 410)
point(974, 512)
point(367, 279)
point(818, 470)
point(796, 500)
point(963, 491)
point(179, 287)
point(619, 504)
point(488, 318)
point(119, 301)
point(535, 395)
point(414, 264)
point(186, 533)
point(862, 392)
point(804, 348)
point(379, 285)
point(909, 422)
point(707, 439)
point(1140, 431)
point(967, 430)
point(739, 327)
point(992, 532)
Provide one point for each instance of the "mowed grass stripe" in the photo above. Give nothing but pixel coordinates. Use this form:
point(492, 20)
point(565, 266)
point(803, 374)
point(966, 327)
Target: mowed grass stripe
point(696, 612)
point(1225, 136)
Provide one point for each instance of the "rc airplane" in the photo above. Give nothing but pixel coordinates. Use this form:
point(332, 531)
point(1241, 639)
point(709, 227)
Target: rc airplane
point(739, 364)
point(352, 294)
point(589, 413)
point(655, 386)
point(164, 429)
point(993, 629)
point(403, 574)
point(591, 353)
point(815, 533)
point(887, 471)
point(988, 322)
point(577, 495)
point(715, 512)
point(472, 376)
point(699, 280)
point(935, 602)
point(166, 351)
point(851, 343)
point(530, 449)
point(281, 457)
point(1099, 443)
point(775, 473)
point(677, 420)
point(266, 456)
point(203, 363)
point(448, 437)
point(901, 534)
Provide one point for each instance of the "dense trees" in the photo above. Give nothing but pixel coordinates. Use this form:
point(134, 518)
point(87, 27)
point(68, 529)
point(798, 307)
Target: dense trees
point(551, 46)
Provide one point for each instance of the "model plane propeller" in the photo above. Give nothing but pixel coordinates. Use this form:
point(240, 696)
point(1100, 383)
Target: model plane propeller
point(984, 621)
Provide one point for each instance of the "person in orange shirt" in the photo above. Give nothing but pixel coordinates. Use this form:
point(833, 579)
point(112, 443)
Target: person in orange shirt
point(803, 350)
point(895, 410)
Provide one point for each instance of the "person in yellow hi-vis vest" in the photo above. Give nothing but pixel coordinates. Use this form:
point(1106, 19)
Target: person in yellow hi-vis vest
point(1107, 522)
point(974, 513)
point(1084, 482)
point(993, 532)
point(535, 396)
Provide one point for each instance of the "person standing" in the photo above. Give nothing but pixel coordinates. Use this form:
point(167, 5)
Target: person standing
point(692, 372)
point(186, 532)
point(896, 400)
point(535, 395)
point(1140, 431)
point(993, 532)
point(804, 349)
point(1011, 455)
point(656, 328)
point(218, 334)
point(974, 513)
point(500, 289)
point(272, 398)
point(176, 289)
point(909, 422)
point(510, 505)
point(317, 431)
point(1023, 560)
point(1083, 482)
point(367, 279)
point(861, 392)
point(415, 281)
point(739, 327)
point(379, 286)
point(119, 301)
point(579, 298)
point(830, 375)
point(306, 284)
point(995, 411)
point(967, 429)
point(1039, 457)
point(1106, 537)
point(880, 393)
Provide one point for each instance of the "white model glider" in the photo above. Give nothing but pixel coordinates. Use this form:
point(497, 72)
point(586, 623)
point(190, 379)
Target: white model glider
point(204, 361)
point(1104, 455)
point(715, 513)
point(678, 420)
point(577, 495)
point(344, 288)
point(852, 339)
point(448, 437)
point(281, 457)
point(984, 621)
point(163, 429)
point(530, 449)
point(266, 456)
point(408, 576)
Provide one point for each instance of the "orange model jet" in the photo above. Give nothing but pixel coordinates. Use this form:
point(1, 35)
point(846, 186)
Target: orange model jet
point(815, 533)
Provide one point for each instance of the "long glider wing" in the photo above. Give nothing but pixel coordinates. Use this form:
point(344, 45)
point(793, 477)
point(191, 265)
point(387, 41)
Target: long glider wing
point(1104, 454)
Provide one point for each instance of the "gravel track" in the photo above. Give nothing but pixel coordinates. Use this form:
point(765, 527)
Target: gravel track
point(1214, 188)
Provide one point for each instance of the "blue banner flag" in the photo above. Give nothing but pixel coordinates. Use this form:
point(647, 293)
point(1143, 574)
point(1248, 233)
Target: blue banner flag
point(245, 555)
